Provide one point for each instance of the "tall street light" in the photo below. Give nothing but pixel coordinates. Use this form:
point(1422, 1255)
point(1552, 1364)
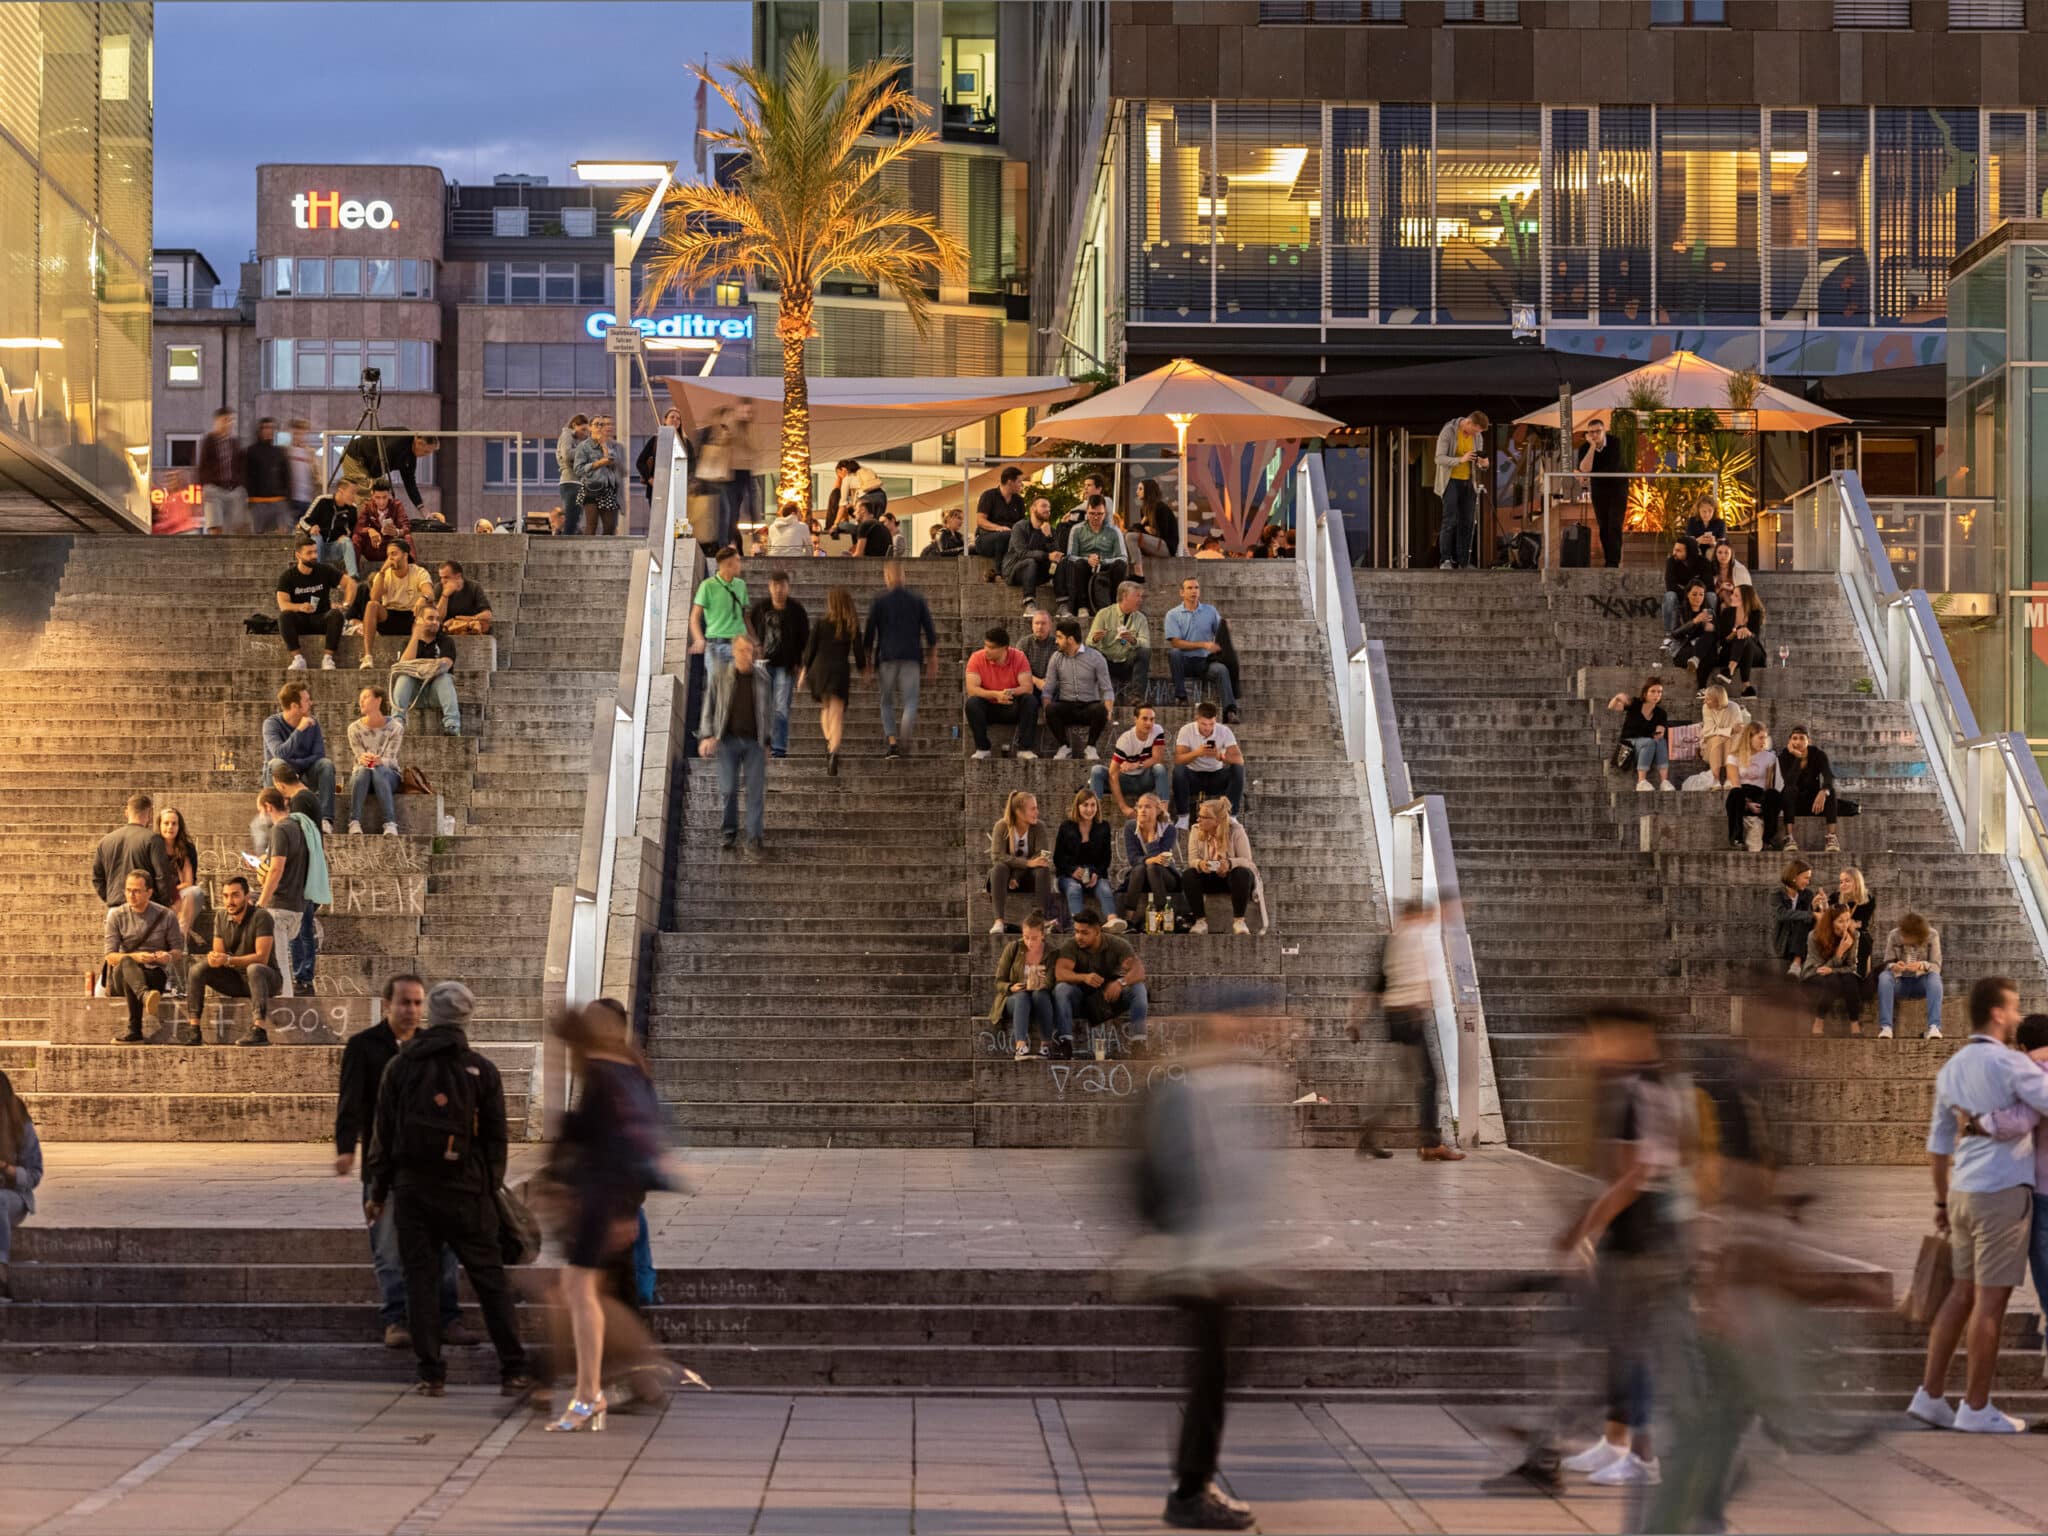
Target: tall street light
point(625, 246)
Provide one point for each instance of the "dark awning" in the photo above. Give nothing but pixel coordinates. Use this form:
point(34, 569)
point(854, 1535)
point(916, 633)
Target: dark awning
point(1503, 383)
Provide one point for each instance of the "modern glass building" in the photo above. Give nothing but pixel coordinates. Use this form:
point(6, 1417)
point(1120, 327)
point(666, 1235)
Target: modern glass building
point(75, 167)
point(1346, 190)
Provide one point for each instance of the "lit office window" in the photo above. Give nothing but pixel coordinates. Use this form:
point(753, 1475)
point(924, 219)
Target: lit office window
point(1348, 220)
point(1168, 173)
point(1924, 162)
point(1268, 207)
point(1567, 220)
point(1627, 173)
point(1790, 274)
point(2005, 167)
point(182, 367)
point(1707, 175)
point(1842, 215)
point(1407, 215)
point(1488, 213)
point(967, 68)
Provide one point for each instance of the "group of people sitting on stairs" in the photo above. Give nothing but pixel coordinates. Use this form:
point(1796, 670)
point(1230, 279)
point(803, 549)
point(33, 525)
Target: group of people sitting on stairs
point(1827, 942)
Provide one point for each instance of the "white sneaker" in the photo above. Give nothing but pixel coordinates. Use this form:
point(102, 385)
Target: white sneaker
point(1237, 925)
point(1201, 925)
point(1445, 566)
point(1027, 757)
point(326, 663)
point(1886, 1034)
point(391, 829)
point(298, 663)
point(1629, 1472)
point(983, 756)
point(1932, 1034)
point(1667, 787)
point(351, 629)
point(1933, 1411)
point(1091, 754)
point(355, 829)
point(365, 664)
point(327, 829)
point(997, 926)
point(1602, 1453)
point(1988, 1420)
point(1642, 786)
point(1115, 925)
point(1181, 822)
point(1063, 754)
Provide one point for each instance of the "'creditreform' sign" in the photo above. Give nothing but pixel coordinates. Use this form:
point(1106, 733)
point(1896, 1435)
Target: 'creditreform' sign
point(330, 210)
point(686, 327)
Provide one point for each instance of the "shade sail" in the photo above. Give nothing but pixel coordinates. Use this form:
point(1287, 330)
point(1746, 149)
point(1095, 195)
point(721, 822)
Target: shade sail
point(1224, 410)
point(1689, 382)
point(852, 417)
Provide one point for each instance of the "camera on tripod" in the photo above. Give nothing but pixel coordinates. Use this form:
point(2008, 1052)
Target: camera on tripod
point(372, 386)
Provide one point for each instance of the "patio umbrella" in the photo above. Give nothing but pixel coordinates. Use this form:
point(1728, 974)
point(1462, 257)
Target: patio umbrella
point(1193, 404)
point(1689, 383)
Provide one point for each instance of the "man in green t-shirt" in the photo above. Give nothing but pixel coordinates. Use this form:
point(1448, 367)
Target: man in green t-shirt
point(718, 613)
point(1098, 976)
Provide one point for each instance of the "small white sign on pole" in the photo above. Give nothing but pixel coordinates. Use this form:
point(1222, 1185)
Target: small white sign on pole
point(623, 338)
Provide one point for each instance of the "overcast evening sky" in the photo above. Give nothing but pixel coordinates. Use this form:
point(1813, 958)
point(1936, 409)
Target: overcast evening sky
point(474, 88)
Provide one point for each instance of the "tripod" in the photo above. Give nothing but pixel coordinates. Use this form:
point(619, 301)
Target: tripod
point(373, 395)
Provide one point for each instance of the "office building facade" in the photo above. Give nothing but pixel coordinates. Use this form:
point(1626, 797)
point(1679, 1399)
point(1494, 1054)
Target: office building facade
point(75, 218)
point(1332, 188)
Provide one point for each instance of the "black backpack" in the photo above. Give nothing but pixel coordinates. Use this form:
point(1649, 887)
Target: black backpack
point(437, 1128)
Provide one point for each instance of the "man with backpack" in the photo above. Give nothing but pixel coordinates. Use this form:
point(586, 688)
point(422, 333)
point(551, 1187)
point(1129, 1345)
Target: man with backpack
point(439, 1150)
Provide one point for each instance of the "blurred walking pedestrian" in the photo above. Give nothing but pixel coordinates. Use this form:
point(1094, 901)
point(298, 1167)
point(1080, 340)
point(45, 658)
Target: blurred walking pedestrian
point(1408, 1006)
point(439, 1150)
point(610, 1153)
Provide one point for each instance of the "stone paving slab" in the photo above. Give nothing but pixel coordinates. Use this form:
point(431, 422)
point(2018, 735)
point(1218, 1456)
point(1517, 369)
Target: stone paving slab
point(210, 1459)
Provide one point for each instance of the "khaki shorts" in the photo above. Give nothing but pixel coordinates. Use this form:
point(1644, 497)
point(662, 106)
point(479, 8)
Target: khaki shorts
point(1988, 1235)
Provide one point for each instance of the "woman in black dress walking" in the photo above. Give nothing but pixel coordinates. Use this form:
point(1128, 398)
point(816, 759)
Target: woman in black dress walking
point(835, 649)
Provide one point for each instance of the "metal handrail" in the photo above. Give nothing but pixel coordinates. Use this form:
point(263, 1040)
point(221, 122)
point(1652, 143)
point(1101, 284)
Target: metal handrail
point(1412, 834)
point(2001, 810)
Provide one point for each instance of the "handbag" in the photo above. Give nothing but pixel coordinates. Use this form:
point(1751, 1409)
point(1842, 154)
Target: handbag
point(518, 1228)
point(1933, 1278)
point(413, 782)
point(1624, 755)
point(1753, 833)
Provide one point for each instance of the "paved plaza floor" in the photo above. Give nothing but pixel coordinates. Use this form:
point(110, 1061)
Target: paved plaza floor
point(193, 1458)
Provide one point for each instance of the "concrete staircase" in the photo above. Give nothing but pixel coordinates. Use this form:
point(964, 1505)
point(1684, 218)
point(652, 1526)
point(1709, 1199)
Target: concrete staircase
point(1501, 683)
point(836, 992)
point(142, 678)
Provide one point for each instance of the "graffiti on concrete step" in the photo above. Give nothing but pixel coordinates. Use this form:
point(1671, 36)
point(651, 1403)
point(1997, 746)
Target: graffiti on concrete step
point(293, 1021)
point(1117, 1079)
point(1626, 607)
point(380, 896)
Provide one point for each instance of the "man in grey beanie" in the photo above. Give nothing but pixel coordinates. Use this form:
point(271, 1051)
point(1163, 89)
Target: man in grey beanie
point(439, 1150)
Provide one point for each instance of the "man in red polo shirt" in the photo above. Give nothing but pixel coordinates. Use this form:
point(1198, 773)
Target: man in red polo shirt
point(1000, 691)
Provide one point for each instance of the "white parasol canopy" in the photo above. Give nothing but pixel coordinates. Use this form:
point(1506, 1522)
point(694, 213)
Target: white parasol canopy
point(853, 417)
point(1689, 383)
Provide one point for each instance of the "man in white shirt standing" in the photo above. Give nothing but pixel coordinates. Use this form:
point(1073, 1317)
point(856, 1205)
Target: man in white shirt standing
point(1983, 1202)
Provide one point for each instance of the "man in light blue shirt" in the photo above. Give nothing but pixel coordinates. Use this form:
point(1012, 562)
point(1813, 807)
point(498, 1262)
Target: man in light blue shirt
point(1192, 649)
point(1983, 1201)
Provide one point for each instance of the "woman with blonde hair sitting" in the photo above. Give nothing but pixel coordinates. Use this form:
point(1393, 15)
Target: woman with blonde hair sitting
point(1219, 859)
point(1723, 736)
point(1018, 857)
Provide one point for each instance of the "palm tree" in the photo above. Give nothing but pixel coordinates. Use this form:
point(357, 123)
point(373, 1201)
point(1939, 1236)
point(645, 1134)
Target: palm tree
point(810, 203)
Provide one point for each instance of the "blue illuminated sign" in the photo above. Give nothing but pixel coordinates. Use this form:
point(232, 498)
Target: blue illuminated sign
point(693, 327)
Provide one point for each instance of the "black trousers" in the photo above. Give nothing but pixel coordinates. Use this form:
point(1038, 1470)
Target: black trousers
point(1702, 645)
point(1158, 880)
point(130, 979)
point(982, 713)
point(1030, 573)
point(429, 1218)
point(294, 627)
point(992, 544)
point(1201, 1430)
point(1061, 718)
point(1747, 800)
point(1609, 514)
point(1409, 1028)
point(1830, 810)
point(1091, 588)
point(1199, 885)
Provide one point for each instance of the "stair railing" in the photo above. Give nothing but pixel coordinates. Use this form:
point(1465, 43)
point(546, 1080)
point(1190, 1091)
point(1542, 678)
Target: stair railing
point(1989, 783)
point(583, 914)
point(1411, 833)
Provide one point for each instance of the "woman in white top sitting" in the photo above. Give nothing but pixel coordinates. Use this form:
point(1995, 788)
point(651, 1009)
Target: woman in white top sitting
point(1722, 727)
point(1759, 788)
point(1219, 859)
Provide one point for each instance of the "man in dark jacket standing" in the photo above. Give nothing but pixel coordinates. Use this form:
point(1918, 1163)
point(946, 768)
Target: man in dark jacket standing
point(134, 846)
point(363, 1061)
point(267, 479)
point(439, 1150)
point(386, 456)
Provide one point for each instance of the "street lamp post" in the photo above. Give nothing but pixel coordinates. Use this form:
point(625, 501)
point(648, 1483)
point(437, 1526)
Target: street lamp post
point(625, 246)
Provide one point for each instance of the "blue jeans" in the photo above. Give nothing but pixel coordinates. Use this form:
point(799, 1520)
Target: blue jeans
point(1457, 538)
point(782, 680)
point(643, 1263)
point(382, 779)
point(717, 658)
point(737, 759)
point(390, 1270)
point(1102, 894)
point(1028, 1008)
point(319, 777)
point(900, 683)
point(1201, 666)
point(440, 692)
point(305, 949)
point(1096, 1009)
point(1146, 781)
point(1891, 987)
point(341, 552)
point(1651, 752)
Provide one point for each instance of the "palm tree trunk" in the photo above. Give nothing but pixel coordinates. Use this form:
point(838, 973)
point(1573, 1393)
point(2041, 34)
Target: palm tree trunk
point(793, 481)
